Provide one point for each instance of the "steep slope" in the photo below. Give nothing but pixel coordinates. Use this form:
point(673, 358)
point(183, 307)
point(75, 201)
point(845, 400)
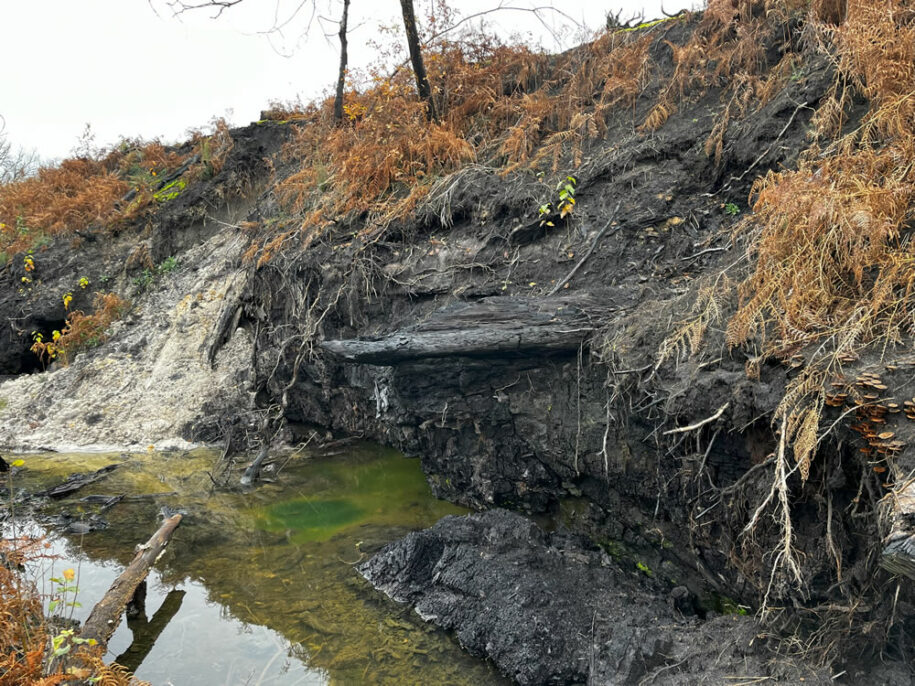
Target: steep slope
point(538, 297)
point(149, 377)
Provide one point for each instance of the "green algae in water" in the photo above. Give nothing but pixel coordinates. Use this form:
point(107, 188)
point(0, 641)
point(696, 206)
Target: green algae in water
point(280, 556)
point(381, 488)
point(313, 520)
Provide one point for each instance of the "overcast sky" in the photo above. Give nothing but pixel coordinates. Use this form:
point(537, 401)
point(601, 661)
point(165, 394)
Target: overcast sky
point(131, 71)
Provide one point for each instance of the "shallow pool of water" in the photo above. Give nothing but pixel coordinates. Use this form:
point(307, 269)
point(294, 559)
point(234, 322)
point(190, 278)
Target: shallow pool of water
point(260, 587)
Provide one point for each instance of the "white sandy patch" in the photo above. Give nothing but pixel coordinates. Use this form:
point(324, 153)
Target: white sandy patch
point(150, 378)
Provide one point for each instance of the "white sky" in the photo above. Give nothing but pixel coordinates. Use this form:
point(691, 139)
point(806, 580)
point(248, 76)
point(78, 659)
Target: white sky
point(128, 71)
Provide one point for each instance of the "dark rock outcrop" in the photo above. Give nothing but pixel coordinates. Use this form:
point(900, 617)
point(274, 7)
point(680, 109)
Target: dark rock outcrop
point(547, 609)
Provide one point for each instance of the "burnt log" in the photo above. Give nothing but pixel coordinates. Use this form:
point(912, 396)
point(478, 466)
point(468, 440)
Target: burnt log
point(493, 327)
point(77, 481)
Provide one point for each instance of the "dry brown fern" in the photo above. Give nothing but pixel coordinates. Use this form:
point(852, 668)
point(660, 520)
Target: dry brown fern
point(104, 674)
point(105, 191)
point(834, 263)
point(498, 105)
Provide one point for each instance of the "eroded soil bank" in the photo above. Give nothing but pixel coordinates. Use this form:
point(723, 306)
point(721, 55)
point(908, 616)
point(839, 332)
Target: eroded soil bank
point(459, 337)
point(532, 365)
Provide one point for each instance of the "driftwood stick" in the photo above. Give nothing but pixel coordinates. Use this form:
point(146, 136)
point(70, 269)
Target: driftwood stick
point(106, 615)
point(693, 427)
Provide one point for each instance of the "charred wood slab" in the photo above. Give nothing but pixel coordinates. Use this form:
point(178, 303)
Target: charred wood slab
point(492, 327)
point(899, 548)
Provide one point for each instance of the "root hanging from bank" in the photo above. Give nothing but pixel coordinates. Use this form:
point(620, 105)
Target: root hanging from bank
point(785, 557)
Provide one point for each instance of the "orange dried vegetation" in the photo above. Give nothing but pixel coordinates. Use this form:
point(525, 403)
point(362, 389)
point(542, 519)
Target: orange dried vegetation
point(81, 193)
point(58, 200)
point(85, 330)
point(833, 255)
point(498, 108)
point(726, 49)
point(510, 108)
point(834, 263)
point(23, 634)
point(82, 330)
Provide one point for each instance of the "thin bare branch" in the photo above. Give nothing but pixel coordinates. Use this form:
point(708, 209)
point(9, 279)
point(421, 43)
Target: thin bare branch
point(699, 424)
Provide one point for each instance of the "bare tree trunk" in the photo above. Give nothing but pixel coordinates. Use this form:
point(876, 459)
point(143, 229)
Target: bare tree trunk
point(416, 58)
point(341, 78)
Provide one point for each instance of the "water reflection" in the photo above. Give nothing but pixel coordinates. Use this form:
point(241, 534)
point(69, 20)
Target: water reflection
point(259, 588)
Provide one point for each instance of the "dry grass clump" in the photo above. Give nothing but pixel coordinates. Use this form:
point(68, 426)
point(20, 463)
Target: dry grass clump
point(103, 190)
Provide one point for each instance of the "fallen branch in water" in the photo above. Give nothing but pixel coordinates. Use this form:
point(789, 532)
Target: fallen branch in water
point(106, 615)
point(75, 482)
point(254, 469)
